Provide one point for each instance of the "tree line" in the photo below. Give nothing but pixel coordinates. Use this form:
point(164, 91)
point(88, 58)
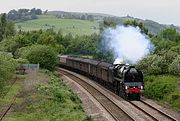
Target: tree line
point(23, 14)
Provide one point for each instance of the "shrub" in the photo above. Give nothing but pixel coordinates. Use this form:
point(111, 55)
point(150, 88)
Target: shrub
point(174, 67)
point(44, 55)
point(22, 61)
point(7, 69)
point(174, 99)
point(158, 87)
point(176, 49)
point(60, 103)
point(159, 64)
point(151, 64)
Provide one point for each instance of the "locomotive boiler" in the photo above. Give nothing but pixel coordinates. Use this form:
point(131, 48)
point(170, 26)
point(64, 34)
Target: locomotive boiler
point(124, 79)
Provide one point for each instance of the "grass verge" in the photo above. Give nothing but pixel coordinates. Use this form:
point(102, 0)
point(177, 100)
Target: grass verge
point(46, 99)
point(7, 99)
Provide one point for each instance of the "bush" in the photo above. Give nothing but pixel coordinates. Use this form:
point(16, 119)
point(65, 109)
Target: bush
point(157, 67)
point(151, 64)
point(8, 45)
point(164, 88)
point(60, 103)
point(24, 51)
point(176, 49)
point(174, 67)
point(174, 99)
point(159, 87)
point(22, 61)
point(159, 64)
point(7, 69)
point(44, 55)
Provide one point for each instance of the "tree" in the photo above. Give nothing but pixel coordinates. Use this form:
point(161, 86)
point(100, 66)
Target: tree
point(136, 23)
point(3, 20)
point(162, 44)
point(176, 49)
point(24, 14)
point(6, 27)
point(38, 12)
point(90, 17)
point(44, 55)
point(83, 17)
point(32, 11)
point(7, 69)
point(46, 11)
point(170, 34)
point(13, 15)
point(174, 67)
point(33, 16)
point(152, 64)
point(67, 40)
point(46, 38)
point(109, 22)
point(10, 29)
point(3, 23)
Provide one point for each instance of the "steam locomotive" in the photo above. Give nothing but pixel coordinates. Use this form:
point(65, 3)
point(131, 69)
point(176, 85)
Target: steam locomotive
point(125, 80)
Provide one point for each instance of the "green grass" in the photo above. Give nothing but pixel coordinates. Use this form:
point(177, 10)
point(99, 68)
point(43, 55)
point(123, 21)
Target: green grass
point(11, 93)
point(74, 26)
point(164, 89)
point(50, 101)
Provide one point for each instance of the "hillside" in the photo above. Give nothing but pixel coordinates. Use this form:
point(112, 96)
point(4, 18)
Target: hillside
point(79, 15)
point(82, 23)
point(74, 26)
point(153, 27)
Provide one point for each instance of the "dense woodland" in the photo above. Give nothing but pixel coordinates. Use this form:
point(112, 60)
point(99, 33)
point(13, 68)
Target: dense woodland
point(161, 68)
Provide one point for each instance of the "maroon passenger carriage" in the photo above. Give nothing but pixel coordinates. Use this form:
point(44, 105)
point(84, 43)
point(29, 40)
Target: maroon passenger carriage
point(126, 80)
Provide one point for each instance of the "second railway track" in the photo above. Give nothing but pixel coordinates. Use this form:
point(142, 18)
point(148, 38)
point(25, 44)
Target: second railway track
point(152, 111)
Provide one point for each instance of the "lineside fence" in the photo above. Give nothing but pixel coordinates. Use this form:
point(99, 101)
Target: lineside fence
point(25, 68)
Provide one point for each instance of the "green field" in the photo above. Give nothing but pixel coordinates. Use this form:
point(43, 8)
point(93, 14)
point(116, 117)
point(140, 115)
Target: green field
point(74, 26)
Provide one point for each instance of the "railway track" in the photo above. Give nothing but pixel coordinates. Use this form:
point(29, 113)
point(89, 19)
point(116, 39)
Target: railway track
point(141, 109)
point(114, 110)
point(152, 111)
point(3, 113)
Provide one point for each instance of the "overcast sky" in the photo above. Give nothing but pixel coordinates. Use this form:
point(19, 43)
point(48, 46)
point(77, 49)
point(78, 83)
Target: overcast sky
point(162, 11)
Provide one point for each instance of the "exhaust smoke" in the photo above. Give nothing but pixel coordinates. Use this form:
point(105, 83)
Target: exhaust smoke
point(127, 43)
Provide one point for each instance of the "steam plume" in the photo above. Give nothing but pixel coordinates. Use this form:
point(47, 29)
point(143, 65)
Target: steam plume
point(126, 43)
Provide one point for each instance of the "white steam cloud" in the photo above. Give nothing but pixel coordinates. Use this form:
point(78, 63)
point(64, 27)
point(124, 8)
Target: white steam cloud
point(127, 43)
